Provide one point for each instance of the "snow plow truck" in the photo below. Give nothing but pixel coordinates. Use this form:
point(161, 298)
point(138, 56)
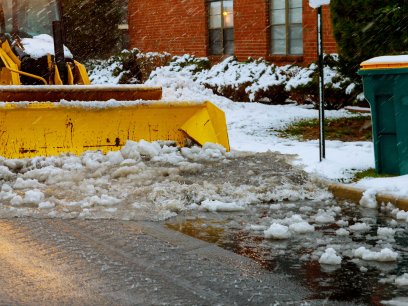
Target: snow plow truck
point(48, 105)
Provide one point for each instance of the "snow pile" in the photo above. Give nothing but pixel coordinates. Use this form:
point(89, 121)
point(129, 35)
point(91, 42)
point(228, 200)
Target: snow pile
point(33, 197)
point(342, 232)
point(368, 199)
point(146, 181)
point(41, 45)
point(221, 206)
point(284, 228)
point(385, 232)
point(277, 231)
point(385, 255)
point(396, 186)
point(360, 227)
point(329, 257)
point(325, 216)
point(402, 280)
point(301, 227)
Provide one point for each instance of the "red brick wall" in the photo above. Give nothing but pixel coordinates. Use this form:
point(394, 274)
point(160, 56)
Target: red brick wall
point(251, 28)
point(180, 26)
point(175, 26)
point(310, 33)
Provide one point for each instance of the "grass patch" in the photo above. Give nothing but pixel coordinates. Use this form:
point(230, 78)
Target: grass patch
point(369, 173)
point(344, 129)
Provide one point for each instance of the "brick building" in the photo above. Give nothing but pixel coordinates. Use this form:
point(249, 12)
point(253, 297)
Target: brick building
point(282, 31)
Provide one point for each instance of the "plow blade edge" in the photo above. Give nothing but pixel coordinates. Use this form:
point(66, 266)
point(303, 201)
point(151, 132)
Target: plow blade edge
point(47, 129)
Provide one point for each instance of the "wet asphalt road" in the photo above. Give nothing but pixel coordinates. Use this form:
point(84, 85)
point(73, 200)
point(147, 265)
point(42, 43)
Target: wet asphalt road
point(107, 262)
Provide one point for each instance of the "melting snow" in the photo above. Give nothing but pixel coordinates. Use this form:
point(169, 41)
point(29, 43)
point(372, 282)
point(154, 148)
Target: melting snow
point(329, 257)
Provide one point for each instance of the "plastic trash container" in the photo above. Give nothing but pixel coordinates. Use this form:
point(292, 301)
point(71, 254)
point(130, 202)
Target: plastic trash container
point(385, 81)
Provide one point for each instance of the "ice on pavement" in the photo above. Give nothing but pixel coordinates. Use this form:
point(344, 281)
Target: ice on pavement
point(149, 181)
point(402, 280)
point(277, 231)
point(385, 255)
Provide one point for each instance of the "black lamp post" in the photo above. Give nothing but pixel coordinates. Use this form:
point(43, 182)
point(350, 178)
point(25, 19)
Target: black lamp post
point(318, 4)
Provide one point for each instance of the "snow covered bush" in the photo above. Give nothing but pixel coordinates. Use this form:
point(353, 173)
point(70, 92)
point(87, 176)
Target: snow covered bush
point(253, 80)
point(340, 91)
point(190, 63)
point(250, 81)
point(129, 67)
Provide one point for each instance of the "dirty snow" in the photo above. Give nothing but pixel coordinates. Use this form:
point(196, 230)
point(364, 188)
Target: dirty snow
point(151, 181)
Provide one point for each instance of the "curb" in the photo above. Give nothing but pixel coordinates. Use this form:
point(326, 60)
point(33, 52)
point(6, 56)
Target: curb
point(354, 194)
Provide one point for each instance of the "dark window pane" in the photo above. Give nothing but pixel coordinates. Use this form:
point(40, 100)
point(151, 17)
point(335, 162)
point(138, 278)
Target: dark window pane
point(216, 41)
point(229, 41)
point(296, 46)
point(296, 39)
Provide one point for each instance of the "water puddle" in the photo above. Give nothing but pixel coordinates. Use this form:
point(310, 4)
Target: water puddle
point(355, 280)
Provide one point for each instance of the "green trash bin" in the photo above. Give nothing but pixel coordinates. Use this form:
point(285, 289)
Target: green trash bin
point(385, 81)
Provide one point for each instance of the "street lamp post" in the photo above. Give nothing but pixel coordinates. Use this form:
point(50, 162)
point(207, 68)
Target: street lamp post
point(318, 4)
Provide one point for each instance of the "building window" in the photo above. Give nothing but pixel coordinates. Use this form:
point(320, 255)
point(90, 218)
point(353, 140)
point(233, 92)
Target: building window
point(221, 27)
point(286, 27)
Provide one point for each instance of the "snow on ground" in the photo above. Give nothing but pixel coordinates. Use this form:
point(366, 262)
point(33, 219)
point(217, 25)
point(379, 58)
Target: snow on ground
point(251, 125)
point(250, 128)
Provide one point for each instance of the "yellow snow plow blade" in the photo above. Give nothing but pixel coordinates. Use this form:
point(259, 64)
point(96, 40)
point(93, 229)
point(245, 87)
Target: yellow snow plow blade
point(46, 129)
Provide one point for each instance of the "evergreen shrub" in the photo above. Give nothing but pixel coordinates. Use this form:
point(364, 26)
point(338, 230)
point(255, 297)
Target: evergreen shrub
point(91, 27)
point(365, 29)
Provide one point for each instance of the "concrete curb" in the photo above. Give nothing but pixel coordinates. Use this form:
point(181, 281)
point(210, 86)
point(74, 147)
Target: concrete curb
point(354, 194)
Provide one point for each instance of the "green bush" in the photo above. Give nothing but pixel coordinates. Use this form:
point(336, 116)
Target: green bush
point(365, 29)
point(91, 27)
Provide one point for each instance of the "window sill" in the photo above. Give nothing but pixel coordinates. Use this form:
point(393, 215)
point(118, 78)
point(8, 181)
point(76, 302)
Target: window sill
point(285, 58)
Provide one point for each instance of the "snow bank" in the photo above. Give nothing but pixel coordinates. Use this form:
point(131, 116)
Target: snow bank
point(396, 186)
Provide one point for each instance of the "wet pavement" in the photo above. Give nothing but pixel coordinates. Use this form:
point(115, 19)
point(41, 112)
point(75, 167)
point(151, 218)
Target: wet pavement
point(354, 281)
point(109, 262)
